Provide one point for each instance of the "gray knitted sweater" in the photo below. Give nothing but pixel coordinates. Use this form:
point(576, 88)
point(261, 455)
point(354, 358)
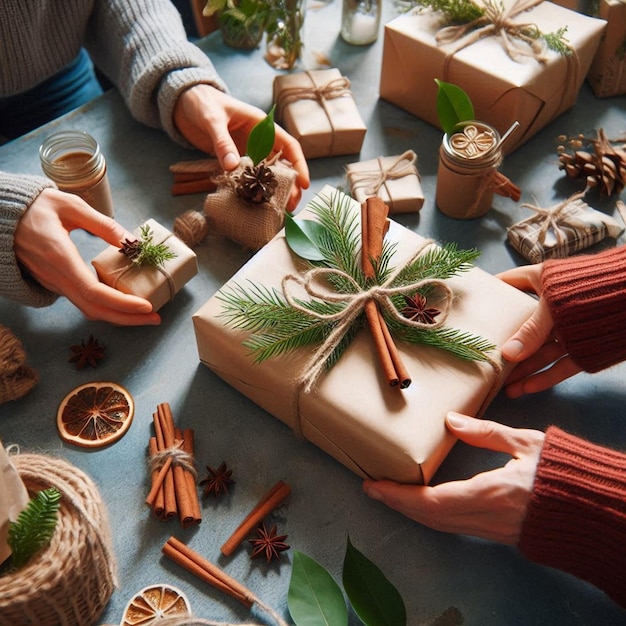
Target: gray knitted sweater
point(140, 45)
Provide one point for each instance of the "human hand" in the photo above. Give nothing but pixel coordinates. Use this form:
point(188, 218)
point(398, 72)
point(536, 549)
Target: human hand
point(492, 504)
point(542, 359)
point(219, 124)
point(43, 246)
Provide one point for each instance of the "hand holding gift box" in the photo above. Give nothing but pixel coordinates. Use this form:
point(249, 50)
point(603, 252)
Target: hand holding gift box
point(158, 280)
point(375, 430)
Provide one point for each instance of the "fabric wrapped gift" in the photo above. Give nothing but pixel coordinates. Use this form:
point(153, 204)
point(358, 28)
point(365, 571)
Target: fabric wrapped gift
point(607, 75)
point(561, 230)
point(525, 89)
point(318, 109)
point(351, 413)
point(394, 179)
point(159, 284)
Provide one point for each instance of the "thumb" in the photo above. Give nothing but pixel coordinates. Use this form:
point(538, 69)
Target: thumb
point(531, 335)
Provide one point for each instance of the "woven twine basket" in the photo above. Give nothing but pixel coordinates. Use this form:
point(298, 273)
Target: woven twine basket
point(70, 581)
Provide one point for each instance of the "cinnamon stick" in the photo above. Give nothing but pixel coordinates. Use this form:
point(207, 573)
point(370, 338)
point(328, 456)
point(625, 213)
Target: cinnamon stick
point(157, 502)
point(169, 493)
point(374, 225)
point(187, 558)
point(199, 185)
point(187, 437)
point(269, 502)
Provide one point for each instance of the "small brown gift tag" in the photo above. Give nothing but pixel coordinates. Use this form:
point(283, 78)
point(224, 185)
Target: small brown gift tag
point(318, 109)
point(249, 224)
point(159, 284)
point(561, 230)
point(394, 179)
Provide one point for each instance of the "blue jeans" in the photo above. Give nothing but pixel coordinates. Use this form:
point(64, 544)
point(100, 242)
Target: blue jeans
point(74, 85)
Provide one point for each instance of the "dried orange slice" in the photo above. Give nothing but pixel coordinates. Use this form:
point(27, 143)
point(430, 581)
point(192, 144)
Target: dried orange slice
point(95, 414)
point(154, 603)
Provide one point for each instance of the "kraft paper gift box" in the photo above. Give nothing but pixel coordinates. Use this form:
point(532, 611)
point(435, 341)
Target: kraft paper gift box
point(352, 413)
point(394, 179)
point(502, 90)
point(319, 110)
point(607, 75)
point(159, 285)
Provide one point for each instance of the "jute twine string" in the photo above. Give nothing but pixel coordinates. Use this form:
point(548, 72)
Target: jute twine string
point(71, 580)
point(16, 378)
point(371, 181)
point(179, 458)
point(191, 227)
point(551, 218)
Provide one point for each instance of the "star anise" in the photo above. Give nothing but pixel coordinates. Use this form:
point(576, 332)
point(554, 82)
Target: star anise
point(257, 184)
point(267, 542)
point(217, 481)
point(131, 249)
point(90, 353)
point(417, 311)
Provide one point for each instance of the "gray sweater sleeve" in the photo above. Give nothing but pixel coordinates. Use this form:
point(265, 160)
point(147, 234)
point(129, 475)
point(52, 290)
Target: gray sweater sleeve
point(16, 195)
point(143, 49)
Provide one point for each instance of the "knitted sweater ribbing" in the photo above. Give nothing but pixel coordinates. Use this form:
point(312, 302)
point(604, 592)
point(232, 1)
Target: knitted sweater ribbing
point(140, 45)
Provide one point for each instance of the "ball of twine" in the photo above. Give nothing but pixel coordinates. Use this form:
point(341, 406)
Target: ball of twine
point(71, 580)
point(16, 378)
point(191, 227)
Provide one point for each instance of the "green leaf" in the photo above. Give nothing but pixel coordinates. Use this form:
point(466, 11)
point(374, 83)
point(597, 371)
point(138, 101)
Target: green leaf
point(314, 598)
point(374, 599)
point(453, 105)
point(303, 237)
point(261, 138)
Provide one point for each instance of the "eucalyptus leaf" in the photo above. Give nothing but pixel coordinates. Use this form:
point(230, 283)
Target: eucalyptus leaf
point(261, 138)
point(453, 105)
point(303, 237)
point(314, 598)
point(374, 599)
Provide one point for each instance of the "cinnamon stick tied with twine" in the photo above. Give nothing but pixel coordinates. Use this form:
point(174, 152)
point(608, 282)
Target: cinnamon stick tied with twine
point(197, 565)
point(374, 226)
point(268, 503)
point(173, 490)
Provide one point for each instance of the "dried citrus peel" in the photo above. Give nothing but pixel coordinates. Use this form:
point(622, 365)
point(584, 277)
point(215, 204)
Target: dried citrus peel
point(152, 604)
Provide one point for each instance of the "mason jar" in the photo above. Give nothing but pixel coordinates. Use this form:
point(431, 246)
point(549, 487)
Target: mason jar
point(469, 158)
point(73, 160)
point(360, 21)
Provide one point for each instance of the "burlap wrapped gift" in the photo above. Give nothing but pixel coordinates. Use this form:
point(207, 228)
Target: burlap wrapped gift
point(505, 86)
point(318, 109)
point(394, 179)
point(248, 224)
point(160, 284)
point(351, 413)
point(561, 230)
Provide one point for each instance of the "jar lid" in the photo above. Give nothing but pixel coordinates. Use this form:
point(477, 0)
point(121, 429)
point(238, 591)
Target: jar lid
point(473, 142)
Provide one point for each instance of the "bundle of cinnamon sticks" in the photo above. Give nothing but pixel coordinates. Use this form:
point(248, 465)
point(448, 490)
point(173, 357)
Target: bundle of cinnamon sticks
point(194, 176)
point(374, 226)
point(173, 489)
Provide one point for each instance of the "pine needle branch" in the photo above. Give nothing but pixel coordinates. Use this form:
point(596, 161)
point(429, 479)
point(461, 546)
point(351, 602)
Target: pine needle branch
point(150, 253)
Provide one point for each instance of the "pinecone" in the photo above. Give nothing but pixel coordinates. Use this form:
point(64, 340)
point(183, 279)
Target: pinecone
point(603, 164)
point(131, 249)
point(256, 183)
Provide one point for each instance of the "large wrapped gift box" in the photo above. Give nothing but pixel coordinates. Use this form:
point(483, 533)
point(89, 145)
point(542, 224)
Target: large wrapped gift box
point(502, 90)
point(351, 413)
point(160, 284)
point(319, 110)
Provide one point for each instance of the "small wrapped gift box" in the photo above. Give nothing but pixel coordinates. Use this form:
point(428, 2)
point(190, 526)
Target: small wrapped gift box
point(394, 179)
point(351, 413)
point(318, 109)
point(527, 90)
point(607, 75)
point(159, 284)
point(561, 230)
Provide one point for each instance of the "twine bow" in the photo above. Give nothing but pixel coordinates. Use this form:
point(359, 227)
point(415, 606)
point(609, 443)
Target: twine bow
point(355, 301)
point(553, 218)
point(371, 181)
point(178, 458)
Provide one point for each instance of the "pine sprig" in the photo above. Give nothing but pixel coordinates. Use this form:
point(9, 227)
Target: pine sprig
point(150, 253)
point(276, 327)
point(34, 526)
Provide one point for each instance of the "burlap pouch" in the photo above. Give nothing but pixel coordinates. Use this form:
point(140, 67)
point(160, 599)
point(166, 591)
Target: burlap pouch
point(70, 581)
point(250, 225)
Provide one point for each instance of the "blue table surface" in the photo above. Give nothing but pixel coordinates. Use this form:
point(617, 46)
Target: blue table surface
point(486, 582)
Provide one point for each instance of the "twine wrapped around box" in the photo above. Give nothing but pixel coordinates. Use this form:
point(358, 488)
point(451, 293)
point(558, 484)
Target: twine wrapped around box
point(71, 580)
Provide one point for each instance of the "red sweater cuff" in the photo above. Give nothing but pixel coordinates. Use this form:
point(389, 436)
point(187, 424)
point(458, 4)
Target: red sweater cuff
point(576, 518)
point(587, 299)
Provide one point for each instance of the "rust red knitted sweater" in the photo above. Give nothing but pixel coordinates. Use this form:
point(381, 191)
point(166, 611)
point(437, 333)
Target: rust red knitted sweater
point(576, 518)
